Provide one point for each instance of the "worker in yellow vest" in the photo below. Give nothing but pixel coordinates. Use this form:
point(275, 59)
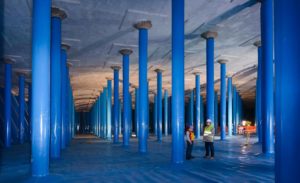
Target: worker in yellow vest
point(208, 138)
point(189, 137)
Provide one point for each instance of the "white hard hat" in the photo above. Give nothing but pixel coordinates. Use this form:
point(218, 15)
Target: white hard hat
point(208, 121)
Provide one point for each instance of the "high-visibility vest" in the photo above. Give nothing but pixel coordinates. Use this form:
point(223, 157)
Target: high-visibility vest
point(207, 130)
point(192, 135)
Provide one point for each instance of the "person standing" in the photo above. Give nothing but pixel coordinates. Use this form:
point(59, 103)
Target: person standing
point(208, 138)
point(190, 137)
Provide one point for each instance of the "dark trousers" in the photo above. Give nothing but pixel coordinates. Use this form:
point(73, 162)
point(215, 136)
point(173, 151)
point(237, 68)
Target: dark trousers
point(189, 150)
point(209, 146)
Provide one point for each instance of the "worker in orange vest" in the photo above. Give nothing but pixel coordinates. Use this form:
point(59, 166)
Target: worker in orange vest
point(189, 137)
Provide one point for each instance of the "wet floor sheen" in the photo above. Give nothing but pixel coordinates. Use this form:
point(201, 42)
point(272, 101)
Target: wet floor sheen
point(89, 159)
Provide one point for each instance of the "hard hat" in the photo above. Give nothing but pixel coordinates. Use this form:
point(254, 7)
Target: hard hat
point(208, 120)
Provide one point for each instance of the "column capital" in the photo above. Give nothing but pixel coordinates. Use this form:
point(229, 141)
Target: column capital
point(134, 86)
point(257, 43)
point(229, 74)
point(159, 70)
point(222, 61)
point(144, 24)
point(125, 51)
point(108, 78)
point(57, 12)
point(8, 60)
point(24, 73)
point(65, 46)
point(69, 64)
point(209, 34)
point(115, 67)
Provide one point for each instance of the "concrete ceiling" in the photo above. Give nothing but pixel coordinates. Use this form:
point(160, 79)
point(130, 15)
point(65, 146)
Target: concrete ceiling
point(97, 29)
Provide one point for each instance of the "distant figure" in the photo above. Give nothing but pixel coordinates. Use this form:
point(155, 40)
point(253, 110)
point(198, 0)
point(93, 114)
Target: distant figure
point(190, 137)
point(208, 138)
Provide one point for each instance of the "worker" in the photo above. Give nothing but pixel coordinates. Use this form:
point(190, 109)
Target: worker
point(208, 138)
point(189, 137)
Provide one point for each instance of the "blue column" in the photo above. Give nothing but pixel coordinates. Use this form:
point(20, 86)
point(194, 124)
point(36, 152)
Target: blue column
point(29, 107)
point(55, 83)
point(126, 102)
point(267, 76)
point(166, 112)
point(216, 119)
point(104, 108)
point(22, 108)
point(177, 81)
point(202, 121)
point(40, 116)
point(116, 103)
point(130, 114)
point(143, 94)
point(159, 104)
point(109, 116)
point(287, 67)
point(223, 99)
point(136, 111)
point(234, 110)
point(191, 108)
point(258, 92)
point(209, 36)
point(155, 115)
point(120, 117)
point(197, 106)
point(64, 89)
point(229, 103)
point(7, 102)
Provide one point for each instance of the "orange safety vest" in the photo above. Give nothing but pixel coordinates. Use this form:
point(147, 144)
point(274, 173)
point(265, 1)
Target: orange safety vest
point(192, 135)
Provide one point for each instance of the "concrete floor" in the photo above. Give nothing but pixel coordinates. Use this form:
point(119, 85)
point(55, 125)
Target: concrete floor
point(89, 159)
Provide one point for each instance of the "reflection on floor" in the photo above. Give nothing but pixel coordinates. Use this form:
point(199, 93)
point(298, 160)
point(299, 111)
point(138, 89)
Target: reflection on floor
point(89, 159)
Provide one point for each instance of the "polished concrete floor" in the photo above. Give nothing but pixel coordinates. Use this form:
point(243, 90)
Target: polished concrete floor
point(89, 159)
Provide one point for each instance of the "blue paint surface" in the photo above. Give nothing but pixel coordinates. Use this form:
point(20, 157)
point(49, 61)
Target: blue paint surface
point(90, 159)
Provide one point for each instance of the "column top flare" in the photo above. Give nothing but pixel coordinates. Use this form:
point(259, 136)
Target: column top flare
point(222, 61)
point(8, 60)
point(116, 67)
point(257, 44)
point(25, 73)
point(159, 70)
point(65, 46)
point(144, 24)
point(69, 64)
point(56, 12)
point(209, 34)
point(125, 51)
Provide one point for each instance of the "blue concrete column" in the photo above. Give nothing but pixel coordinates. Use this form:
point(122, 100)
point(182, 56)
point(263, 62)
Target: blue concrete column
point(7, 102)
point(159, 104)
point(223, 98)
point(258, 91)
point(216, 115)
point(130, 114)
point(136, 111)
point(143, 27)
point(191, 107)
point(120, 117)
point(155, 114)
point(126, 102)
point(210, 37)
point(229, 103)
point(287, 68)
point(177, 81)
point(116, 103)
point(166, 118)
point(22, 107)
point(202, 121)
point(109, 116)
point(40, 116)
point(197, 106)
point(267, 76)
point(55, 82)
point(104, 108)
point(64, 95)
point(234, 107)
